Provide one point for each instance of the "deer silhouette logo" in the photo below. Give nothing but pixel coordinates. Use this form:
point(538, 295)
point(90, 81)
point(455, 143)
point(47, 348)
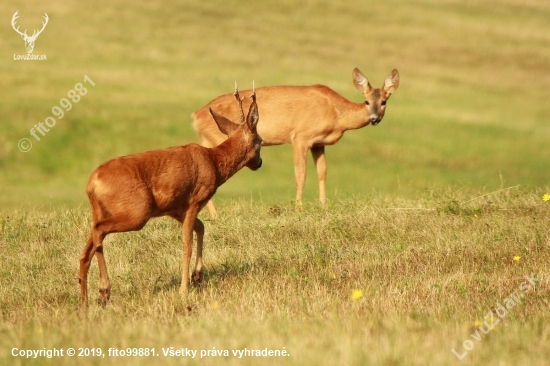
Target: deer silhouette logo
point(29, 40)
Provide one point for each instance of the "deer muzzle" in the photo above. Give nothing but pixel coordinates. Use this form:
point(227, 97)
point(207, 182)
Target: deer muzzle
point(254, 164)
point(374, 119)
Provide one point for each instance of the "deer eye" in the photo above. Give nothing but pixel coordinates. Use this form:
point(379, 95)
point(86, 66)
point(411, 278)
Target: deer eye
point(384, 103)
point(367, 102)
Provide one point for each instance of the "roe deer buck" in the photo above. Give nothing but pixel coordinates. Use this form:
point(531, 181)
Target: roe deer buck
point(127, 191)
point(308, 117)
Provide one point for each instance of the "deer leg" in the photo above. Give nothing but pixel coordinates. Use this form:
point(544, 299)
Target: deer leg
point(187, 234)
point(300, 160)
point(117, 223)
point(104, 283)
point(97, 250)
point(199, 229)
point(318, 153)
point(211, 209)
point(85, 260)
point(93, 247)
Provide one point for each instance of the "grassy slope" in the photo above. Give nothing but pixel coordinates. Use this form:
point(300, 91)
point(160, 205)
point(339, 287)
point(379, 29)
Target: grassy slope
point(469, 109)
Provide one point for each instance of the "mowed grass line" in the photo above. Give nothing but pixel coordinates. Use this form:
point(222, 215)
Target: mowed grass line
point(278, 276)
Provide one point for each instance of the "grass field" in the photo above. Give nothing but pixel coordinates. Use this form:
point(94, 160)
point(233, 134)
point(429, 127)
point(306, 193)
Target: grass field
point(282, 278)
point(426, 211)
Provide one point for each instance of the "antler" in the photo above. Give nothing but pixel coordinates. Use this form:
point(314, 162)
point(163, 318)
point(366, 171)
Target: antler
point(13, 19)
point(35, 34)
point(240, 101)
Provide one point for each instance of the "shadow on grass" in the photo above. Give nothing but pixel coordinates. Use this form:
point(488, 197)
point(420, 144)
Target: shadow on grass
point(216, 273)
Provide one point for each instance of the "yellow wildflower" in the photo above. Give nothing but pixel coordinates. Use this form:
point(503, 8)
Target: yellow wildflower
point(477, 323)
point(517, 258)
point(546, 197)
point(356, 294)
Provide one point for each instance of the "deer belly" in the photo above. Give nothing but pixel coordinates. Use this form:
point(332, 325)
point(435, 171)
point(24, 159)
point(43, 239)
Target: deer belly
point(274, 135)
point(329, 139)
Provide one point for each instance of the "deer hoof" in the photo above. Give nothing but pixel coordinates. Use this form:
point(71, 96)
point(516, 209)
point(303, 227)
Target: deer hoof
point(104, 296)
point(197, 276)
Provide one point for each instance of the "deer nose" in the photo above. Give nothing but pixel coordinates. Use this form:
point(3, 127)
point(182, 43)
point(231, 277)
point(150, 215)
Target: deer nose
point(260, 163)
point(374, 119)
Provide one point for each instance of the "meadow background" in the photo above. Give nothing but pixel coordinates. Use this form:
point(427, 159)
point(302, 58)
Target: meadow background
point(426, 211)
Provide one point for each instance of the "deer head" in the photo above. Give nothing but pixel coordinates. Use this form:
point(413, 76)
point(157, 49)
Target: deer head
point(29, 40)
point(375, 99)
point(247, 128)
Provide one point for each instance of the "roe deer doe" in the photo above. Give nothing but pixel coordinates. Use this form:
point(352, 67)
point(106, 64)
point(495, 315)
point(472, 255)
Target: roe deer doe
point(127, 191)
point(308, 117)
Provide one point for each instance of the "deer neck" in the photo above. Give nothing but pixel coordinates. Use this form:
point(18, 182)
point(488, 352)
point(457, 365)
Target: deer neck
point(352, 116)
point(229, 157)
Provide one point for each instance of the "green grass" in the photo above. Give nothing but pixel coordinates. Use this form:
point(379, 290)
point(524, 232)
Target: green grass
point(470, 118)
point(470, 108)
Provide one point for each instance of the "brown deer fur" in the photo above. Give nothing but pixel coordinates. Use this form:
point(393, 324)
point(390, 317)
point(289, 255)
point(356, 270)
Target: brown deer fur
point(127, 191)
point(308, 117)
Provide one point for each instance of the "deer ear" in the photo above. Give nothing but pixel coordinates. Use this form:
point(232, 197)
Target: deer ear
point(225, 125)
point(360, 81)
point(252, 118)
point(392, 82)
